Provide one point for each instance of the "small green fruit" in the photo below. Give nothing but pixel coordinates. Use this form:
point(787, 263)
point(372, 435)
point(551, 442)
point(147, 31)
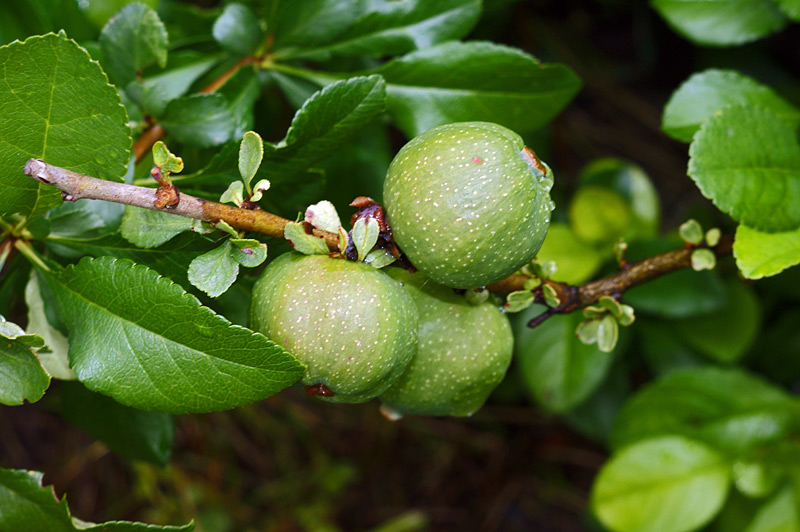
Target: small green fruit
point(463, 353)
point(354, 327)
point(468, 203)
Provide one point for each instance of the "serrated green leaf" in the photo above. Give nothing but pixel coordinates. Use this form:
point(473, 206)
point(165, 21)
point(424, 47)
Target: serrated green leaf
point(54, 356)
point(668, 484)
point(557, 367)
point(390, 28)
point(129, 432)
point(326, 122)
point(251, 152)
point(53, 97)
point(709, 91)
point(27, 505)
point(248, 252)
point(214, 272)
point(721, 22)
point(365, 236)
point(238, 30)
point(133, 38)
point(484, 82)
point(303, 242)
point(145, 342)
point(729, 409)
point(148, 228)
point(727, 334)
point(22, 377)
point(201, 120)
point(747, 161)
point(761, 254)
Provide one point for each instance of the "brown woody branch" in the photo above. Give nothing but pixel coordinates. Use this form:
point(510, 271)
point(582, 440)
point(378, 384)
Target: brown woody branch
point(76, 186)
point(572, 298)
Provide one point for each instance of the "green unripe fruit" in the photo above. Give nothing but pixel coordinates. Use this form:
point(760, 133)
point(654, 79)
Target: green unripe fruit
point(463, 352)
point(354, 327)
point(468, 203)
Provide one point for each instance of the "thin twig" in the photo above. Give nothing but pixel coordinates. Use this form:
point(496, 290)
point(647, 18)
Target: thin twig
point(75, 186)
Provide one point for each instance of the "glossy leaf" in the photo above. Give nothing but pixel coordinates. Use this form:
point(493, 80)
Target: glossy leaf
point(312, 22)
point(484, 82)
point(390, 28)
point(53, 97)
point(241, 91)
point(746, 159)
point(556, 366)
point(727, 334)
point(729, 409)
point(668, 484)
point(709, 91)
point(22, 377)
point(721, 22)
point(214, 272)
point(238, 30)
point(27, 505)
point(760, 254)
point(201, 120)
point(142, 340)
point(132, 433)
point(251, 152)
point(326, 122)
point(133, 39)
point(148, 228)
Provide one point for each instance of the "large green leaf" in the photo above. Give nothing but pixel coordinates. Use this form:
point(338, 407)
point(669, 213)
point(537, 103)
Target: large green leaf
point(130, 432)
point(326, 122)
point(142, 340)
point(133, 39)
point(557, 368)
point(238, 30)
point(790, 8)
point(726, 334)
point(668, 484)
point(455, 82)
point(22, 377)
point(760, 254)
point(389, 28)
point(147, 228)
point(729, 409)
point(721, 22)
point(310, 23)
point(26, 505)
point(200, 119)
point(707, 92)
point(746, 159)
point(54, 98)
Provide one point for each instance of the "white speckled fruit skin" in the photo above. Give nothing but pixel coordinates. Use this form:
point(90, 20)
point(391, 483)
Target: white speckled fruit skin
point(463, 353)
point(354, 327)
point(464, 205)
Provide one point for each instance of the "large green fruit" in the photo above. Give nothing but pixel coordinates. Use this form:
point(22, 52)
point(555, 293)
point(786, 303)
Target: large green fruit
point(463, 353)
point(468, 203)
point(354, 327)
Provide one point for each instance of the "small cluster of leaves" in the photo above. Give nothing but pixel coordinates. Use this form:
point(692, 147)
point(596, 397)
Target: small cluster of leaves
point(692, 233)
point(602, 323)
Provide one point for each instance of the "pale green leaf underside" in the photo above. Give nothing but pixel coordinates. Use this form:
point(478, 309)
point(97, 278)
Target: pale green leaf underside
point(55, 101)
point(22, 377)
point(483, 82)
point(747, 161)
point(141, 339)
point(668, 484)
point(27, 505)
point(721, 22)
point(214, 272)
point(148, 228)
point(760, 254)
point(712, 90)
